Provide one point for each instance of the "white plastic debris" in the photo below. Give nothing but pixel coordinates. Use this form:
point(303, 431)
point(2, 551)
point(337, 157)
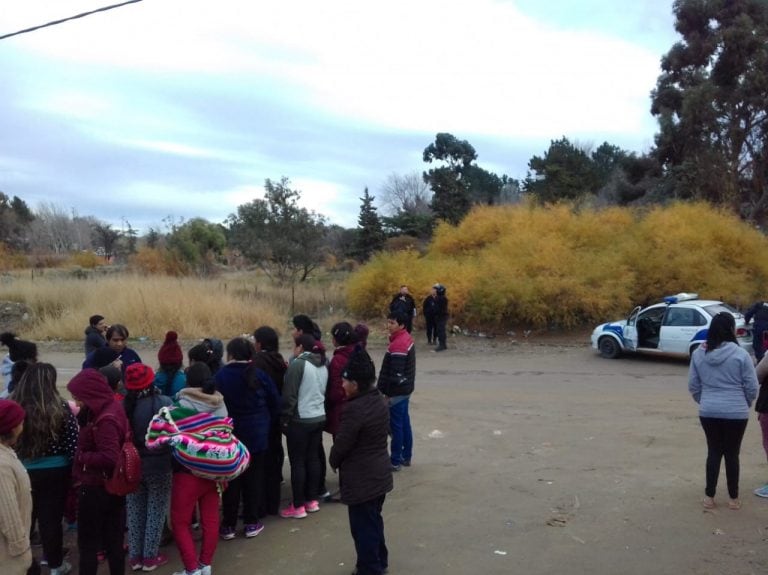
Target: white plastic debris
point(497, 432)
point(498, 552)
point(436, 434)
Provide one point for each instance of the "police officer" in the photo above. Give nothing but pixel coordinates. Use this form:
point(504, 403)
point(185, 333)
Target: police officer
point(758, 311)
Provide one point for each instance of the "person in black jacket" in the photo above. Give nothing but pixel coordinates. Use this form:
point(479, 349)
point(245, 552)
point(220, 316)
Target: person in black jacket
point(359, 452)
point(396, 381)
point(441, 316)
point(758, 311)
point(95, 337)
point(429, 307)
point(403, 303)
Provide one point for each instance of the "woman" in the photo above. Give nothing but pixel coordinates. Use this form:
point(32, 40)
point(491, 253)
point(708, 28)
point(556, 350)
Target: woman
point(100, 514)
point(46, 447)
point(252, 403)
point(722, 381)
point(302, 417)
point(15, 493)
point(147, 506)
point(360, 453)
point(268, 358)
point(117, 342)
point(170, 378)
point(190, 491)
point(344, 339)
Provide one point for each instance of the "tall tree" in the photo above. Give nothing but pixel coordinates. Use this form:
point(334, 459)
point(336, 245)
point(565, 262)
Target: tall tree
point(198, 243)
point(370, 235)
point(282, 238)
point(106, 238)
point(15, 217)
point(711, 102)
point(450, 197)
point(564, 172)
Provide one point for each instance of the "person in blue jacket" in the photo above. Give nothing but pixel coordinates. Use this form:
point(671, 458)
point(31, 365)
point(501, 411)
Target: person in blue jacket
point(117, 343)
point(252, 402)
point(170, 378)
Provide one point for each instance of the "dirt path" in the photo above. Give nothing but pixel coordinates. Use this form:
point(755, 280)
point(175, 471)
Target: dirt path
point(535, 459)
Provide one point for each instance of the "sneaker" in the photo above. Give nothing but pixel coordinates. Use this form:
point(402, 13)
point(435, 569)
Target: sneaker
point(155, 562)
point(205, 569)
point(135, 564)
point(253, 529)
point(227, 533)
point(295, 512)
point(185, 572)
point(62, 569)
point(396, 468)
point(406, 462)
point(313, 506)
point(762, 492)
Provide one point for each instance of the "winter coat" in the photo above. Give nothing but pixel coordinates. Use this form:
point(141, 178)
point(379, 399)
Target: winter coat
point(251, 408)
point(170, 388)
point(195, 398)
point(403, 303)
point(761, 371)
point(429, 307)
point(102, 437)
point(334, 393)
point(153, 461)
point(15, 514)
point(359, 449)
point(441, 307)
point(398, 368)
point(127, 356)
point(94, 339)
point(274, 365)
point(304, 390)
point(723, 382)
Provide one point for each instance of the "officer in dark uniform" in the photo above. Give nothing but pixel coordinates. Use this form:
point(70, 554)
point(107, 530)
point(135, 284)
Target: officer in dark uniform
point(404, 303)
point(758, 311)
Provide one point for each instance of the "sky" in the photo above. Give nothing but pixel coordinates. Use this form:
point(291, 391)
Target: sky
point(166, 110)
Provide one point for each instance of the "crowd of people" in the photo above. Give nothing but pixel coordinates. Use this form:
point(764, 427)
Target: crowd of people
point(52, 448)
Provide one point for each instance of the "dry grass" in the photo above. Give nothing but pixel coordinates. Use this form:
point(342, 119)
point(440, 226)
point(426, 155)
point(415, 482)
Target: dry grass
point(150, 305)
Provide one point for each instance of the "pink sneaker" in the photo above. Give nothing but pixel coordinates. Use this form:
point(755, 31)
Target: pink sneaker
point(155, 562)
point(295, 512)
point(312, 506)
point(136, 564)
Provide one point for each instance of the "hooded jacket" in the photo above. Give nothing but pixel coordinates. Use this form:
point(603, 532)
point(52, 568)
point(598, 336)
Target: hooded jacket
point(304, 390)
point(398, 368)
point(252, 408)
point(195, 398)
point(94, 339)
point(723, 382)
point(334, 394)
point(102, 437)
point(274, 365)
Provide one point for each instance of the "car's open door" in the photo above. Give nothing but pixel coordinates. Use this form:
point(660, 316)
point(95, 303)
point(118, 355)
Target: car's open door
point(630, 330)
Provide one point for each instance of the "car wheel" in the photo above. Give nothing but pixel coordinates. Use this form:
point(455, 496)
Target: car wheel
point(609, 347)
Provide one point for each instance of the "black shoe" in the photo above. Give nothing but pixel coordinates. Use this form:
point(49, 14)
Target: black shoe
point(396, 468)
point(406, 463)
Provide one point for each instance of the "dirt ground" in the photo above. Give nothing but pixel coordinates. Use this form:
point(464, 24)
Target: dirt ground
point(537, 457)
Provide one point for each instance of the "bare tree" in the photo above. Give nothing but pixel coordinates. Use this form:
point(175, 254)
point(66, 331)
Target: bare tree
point(53, 229)
point(407, 193)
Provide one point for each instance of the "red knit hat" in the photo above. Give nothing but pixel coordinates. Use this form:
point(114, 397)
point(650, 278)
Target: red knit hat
point(138, 376)
point(170, 352)
point(11, 414)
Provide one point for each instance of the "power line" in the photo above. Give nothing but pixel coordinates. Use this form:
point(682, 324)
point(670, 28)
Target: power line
point(75, 17)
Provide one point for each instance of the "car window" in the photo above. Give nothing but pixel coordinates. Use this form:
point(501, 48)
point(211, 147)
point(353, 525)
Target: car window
point(653, 314)
point(698, 318)
point(716, 308)
point(680, 316)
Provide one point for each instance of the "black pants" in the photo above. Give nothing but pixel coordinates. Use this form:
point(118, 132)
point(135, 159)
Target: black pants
point(367, 527)
point(321, 488)
point(49, 496)
point(723, 441)
point(431, 328)
point(757, 339)
point(100, 525)
point(440, 331)
point(248, 486)
point(304, 440)
point(273, 473)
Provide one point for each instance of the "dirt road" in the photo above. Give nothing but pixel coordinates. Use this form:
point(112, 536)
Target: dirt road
point(536, 459)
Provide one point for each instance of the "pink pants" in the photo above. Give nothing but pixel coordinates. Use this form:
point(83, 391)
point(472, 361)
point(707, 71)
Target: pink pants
point(187, 491)
point(763, 419)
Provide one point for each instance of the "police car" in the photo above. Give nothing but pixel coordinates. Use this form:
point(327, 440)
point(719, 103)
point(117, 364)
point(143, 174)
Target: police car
point(675, 326)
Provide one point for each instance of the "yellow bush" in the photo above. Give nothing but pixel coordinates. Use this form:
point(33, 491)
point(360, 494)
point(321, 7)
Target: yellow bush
point(87, 260)
point(10, 260)
point(152, 261)
point(555, 265)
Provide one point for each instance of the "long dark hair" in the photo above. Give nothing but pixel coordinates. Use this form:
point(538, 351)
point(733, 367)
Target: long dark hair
point(267, 338)
point(46, 412)
point(344, 333)
point(240, 349)
point(309, 343)
point(722, 329)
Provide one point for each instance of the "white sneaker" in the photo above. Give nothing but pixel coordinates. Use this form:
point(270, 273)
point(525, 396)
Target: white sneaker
point(205, 570)
point(62, 569)
point(185, 572)
point(762, 491)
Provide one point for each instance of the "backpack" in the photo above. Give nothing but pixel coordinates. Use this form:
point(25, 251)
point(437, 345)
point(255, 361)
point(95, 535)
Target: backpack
point(201, 442)
point(126, 476)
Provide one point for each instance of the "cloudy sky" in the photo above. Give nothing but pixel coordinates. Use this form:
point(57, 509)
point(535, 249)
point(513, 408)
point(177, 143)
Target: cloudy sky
point(183, 108)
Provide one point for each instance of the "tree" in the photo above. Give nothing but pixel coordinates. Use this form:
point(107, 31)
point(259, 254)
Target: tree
point(106, 238)
point(15, 217)
point(450, 198)
point(483, 187)
point(565, 172)
point(405, 193)
point(197, 243)
point(711, 102)
point(282, 238)
point(370, 235)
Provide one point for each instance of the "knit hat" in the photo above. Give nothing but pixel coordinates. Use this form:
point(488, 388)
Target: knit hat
point(360, 368)
point(170, 352)
point(11, 414)
point(138, 376)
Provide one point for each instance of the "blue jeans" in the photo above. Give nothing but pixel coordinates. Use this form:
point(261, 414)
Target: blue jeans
point(400, 426)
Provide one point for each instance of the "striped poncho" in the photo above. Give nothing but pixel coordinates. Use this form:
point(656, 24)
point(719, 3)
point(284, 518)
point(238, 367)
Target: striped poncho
point(201, 442)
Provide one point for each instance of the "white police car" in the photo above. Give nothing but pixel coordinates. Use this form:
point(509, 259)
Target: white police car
point(675, 326)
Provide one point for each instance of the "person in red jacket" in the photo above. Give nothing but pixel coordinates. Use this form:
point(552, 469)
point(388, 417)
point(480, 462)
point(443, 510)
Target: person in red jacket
point(100, 514)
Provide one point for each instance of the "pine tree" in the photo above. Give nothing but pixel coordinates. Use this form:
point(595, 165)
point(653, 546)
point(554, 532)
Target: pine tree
point(370, 235)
